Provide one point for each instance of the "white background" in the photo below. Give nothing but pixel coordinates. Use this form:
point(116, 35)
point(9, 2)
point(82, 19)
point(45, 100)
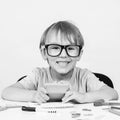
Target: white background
point(22, 22)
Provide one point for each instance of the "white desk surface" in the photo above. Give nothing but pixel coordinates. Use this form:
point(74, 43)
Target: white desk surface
point(92, 113)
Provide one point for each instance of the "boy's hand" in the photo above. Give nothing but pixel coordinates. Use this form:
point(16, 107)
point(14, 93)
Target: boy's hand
point(73, 96)
point(40, 96)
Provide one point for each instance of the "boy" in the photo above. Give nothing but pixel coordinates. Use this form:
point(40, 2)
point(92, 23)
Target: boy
point(61, 45)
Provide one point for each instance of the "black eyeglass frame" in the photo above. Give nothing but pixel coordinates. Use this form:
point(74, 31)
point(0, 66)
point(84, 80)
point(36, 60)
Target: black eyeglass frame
point(63, 47)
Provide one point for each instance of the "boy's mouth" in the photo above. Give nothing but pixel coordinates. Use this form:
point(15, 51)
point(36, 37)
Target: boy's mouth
point(63, 63)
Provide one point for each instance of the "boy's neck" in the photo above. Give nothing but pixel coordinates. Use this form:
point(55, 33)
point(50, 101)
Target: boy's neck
point(58, 77)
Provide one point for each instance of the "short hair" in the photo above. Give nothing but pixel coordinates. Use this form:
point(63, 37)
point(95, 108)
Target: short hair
point(67, 30)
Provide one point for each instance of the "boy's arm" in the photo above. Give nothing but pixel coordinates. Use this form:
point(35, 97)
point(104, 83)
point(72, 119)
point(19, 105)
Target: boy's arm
point(98, 90)
point(105, 92)
point(17, 92)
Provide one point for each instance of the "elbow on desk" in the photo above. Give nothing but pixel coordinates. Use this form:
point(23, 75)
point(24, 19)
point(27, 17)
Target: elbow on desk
point(113, 95)
point(116, 95)
point(6, 94)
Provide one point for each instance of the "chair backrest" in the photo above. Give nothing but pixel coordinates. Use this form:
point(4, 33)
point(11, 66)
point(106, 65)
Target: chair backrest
point(21, 78)
point(105, 79)
point(101, 77)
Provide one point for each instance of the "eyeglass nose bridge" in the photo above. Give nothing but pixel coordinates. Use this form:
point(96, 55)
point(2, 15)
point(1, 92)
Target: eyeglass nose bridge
point(65, 48)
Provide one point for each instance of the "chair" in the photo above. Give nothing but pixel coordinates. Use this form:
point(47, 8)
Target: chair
point(21, 78)
point(105, 79)
point(101, 77)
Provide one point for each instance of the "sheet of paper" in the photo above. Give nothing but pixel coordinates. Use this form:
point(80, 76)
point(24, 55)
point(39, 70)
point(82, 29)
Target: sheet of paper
point(57, 105)
point(6, 103)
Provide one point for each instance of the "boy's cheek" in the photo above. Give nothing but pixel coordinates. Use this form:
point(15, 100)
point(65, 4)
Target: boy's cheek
point(76, 59)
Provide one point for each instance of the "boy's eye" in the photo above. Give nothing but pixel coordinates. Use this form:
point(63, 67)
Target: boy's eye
point(54, 47)
point(71, 48)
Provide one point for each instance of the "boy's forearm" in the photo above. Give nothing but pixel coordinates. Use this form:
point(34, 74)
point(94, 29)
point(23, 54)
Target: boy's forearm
point(106, 94)
point(18, 94)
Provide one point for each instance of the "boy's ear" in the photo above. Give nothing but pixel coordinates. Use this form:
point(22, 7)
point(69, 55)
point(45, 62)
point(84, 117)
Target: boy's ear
point(81, 52)
point(43, 53)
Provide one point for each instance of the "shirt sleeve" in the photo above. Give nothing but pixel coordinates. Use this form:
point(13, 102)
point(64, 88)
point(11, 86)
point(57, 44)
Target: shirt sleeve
point(31, 81)
point(93, 83)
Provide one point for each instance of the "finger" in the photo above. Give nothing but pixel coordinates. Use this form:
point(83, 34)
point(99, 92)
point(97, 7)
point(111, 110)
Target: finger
point(68, 98)
point(44, 96)
point(68, 94)
point(39, 100)
point(42, 90)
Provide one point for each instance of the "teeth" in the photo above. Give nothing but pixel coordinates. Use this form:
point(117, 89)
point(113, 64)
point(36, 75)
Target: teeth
point(63, 64)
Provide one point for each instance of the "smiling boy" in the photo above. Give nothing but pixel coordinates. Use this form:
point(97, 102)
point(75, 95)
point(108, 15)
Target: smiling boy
point(62, 46)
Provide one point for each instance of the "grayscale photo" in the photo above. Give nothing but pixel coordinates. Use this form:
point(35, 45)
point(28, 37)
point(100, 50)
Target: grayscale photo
point(59, 59)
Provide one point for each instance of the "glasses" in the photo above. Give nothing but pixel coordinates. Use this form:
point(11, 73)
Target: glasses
point(55, 50)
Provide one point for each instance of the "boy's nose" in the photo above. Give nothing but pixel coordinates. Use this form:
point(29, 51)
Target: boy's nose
point(63, 53)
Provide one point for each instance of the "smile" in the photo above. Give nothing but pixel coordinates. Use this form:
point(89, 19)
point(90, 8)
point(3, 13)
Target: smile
point(63, 63)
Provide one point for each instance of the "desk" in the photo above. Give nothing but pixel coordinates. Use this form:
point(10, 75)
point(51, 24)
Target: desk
point(86, 111)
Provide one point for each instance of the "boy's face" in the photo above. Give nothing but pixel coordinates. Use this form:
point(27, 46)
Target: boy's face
point(62, 63)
